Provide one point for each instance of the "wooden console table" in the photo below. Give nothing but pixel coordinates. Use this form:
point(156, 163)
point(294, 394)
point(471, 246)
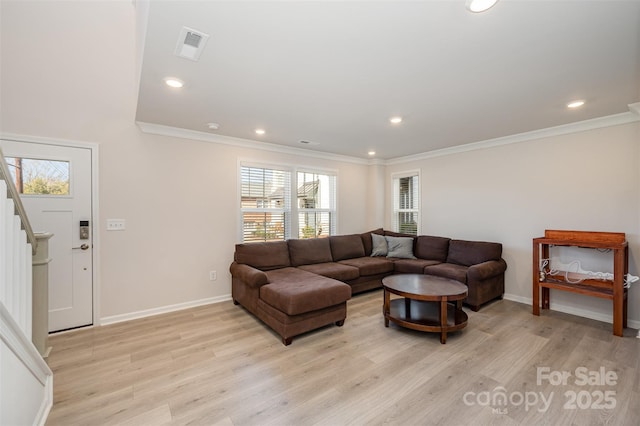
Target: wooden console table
point(611, 290)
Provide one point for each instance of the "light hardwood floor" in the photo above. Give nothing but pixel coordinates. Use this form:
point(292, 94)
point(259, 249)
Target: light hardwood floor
point(218, 365)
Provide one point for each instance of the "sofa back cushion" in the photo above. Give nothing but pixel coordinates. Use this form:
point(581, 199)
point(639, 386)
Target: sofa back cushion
point(469, 253)
point(366, 240)
point(308, 251)
point(398, 234)
point(432, 248)
point(400, 247)
point(346, 247)
point(264, 256)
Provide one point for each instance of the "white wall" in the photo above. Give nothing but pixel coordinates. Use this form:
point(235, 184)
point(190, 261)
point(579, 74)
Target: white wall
point(68, 73)
point(510, 194)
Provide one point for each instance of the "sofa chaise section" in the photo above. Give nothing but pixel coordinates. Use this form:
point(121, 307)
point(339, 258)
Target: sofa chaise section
point(290, 300)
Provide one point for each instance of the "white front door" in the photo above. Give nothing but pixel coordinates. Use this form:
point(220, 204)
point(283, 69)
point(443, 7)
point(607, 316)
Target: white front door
point(55, 185)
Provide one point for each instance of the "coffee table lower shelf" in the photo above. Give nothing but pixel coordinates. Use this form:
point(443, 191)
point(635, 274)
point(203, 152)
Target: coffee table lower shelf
point(425, 315)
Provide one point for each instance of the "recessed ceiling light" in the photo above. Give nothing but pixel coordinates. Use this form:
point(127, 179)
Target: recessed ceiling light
point(395, 120)
point(260, 132)
point(575, 104)
point(213, 126)
point(174, 82)
point(371, 153)
point(478, 6)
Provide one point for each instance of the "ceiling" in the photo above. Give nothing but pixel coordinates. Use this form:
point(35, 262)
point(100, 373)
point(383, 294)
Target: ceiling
point(333, 73)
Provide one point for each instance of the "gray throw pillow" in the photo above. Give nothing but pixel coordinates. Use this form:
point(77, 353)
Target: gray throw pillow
point(379, 245)
point(401, 247)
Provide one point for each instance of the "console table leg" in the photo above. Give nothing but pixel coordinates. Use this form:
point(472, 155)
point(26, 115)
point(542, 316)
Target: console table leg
point(624, 309)
point(536, 279)
point(545, 298)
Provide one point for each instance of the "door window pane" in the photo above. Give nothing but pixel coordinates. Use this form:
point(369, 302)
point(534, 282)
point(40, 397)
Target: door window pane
point(39, 177)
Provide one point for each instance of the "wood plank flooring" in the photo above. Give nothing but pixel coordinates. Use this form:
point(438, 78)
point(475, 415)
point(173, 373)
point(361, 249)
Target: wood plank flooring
point(218, 365)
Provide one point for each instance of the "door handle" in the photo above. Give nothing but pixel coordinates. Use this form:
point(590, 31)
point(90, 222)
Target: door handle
point(82, 247)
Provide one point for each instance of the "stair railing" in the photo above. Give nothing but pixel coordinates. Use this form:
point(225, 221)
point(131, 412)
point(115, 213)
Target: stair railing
point(17, 246)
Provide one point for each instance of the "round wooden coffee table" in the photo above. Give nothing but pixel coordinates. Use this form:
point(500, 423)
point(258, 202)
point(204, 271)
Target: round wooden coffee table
point(425, 306)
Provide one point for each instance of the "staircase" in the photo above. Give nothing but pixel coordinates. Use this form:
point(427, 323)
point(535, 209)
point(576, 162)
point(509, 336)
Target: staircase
point(26, 382)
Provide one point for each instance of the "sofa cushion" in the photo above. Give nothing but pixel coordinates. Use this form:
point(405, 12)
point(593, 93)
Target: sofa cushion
point(366, 240)
point(264, 256)
point(432, 248)
point(379, 245)
point(400, 247)
point(294, 291)
point(370, 265)
point(448, 270)
point(412, 266)
point(333, 270)
point(346, 247)
point(309, 251)
point(469, 253)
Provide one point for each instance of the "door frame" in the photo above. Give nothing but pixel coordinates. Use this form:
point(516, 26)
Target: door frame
point(95, 151)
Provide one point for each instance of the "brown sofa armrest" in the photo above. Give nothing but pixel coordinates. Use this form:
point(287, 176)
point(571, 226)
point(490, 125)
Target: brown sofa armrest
point(485, 270)
point(248, 274)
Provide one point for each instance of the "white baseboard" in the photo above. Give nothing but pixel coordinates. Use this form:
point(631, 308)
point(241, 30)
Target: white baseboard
point(163, 309)
point(573, 311)
point(515, 298)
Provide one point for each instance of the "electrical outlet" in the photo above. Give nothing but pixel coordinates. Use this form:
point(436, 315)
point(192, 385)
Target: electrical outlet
point(213, 275)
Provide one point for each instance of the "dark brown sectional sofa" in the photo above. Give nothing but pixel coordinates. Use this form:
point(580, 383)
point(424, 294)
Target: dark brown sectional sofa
point(299, 285)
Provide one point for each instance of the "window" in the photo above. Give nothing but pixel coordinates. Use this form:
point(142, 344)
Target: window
point(316, 204)
point(265, 204)
point(406, 203)
point(39, 177)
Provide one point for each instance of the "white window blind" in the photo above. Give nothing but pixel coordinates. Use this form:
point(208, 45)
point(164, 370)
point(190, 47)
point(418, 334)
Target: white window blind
point(316, 194)
point(265, 204)
point(406, 202)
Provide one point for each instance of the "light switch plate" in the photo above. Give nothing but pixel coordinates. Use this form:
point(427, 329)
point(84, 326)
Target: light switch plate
point(116, 224)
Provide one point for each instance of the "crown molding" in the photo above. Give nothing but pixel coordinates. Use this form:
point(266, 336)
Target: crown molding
point(176, 132)
point(633, 115)
point(595, 123)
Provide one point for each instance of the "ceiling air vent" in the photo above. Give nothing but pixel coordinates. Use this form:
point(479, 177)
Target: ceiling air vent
point(191, 43)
